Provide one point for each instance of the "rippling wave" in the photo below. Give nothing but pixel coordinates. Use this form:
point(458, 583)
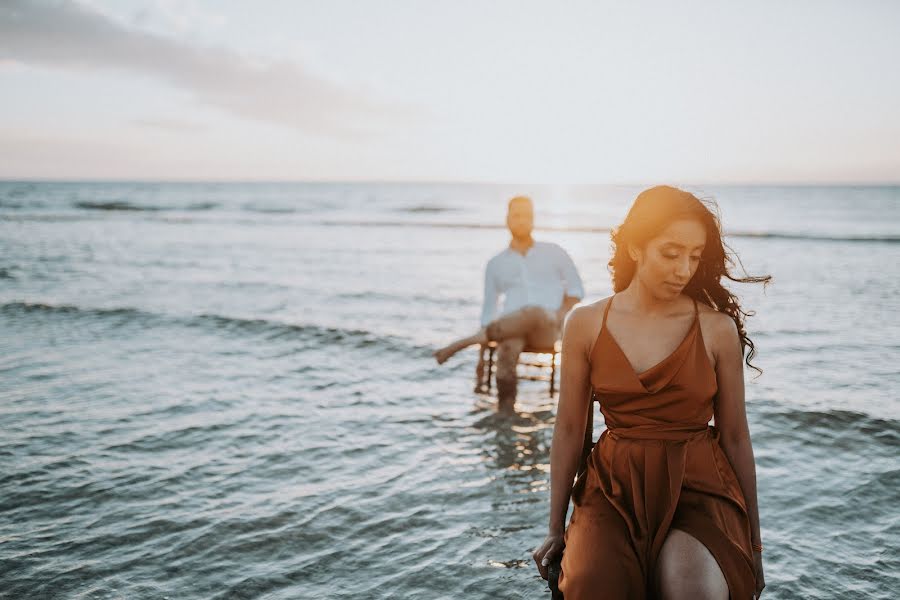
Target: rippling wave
point(115, 205)
point(319, 335)
point(809, 424)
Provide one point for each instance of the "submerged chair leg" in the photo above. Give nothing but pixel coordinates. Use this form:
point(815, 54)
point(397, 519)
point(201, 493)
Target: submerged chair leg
point(486, 382)
point(482, 384)
point(490, 367)
point(552, 374)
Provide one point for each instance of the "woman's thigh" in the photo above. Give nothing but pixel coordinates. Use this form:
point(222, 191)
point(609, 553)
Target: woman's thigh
point(686, 569)
point(599, 561)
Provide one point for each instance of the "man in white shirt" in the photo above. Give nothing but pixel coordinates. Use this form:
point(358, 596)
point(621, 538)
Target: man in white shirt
point(539, 284)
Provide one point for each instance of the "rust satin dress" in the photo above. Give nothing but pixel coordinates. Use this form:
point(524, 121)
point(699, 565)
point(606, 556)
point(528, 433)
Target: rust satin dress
point(657, 466)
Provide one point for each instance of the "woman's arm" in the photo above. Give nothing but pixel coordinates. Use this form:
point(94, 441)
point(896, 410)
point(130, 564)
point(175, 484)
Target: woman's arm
point(571, 414)
point(731, 414)
point(568, 434)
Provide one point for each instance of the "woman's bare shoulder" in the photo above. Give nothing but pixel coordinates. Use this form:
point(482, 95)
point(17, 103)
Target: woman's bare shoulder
point(587, 313)
point(583, 324)
point(719, 329)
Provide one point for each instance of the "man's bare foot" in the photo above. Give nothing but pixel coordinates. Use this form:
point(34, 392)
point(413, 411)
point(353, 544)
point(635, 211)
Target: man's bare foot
point(443, 354)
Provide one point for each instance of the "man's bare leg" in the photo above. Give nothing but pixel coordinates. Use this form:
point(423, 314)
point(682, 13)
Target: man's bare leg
point(479, 370)
point(516, 324)
point(507, 361)
point(449, 350)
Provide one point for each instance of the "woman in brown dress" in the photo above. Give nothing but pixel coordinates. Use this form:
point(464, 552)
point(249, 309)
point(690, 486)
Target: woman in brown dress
point(666, 507)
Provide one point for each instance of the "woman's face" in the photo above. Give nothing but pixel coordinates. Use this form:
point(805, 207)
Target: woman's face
point(669, 260)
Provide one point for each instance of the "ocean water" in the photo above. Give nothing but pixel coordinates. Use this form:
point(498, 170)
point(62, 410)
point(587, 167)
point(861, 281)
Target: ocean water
point(226, 390)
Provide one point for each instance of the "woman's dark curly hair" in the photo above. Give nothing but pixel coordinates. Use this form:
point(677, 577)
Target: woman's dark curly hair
point(653, 210)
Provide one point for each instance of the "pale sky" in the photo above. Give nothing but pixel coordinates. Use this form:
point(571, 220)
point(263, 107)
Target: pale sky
point(495, 91)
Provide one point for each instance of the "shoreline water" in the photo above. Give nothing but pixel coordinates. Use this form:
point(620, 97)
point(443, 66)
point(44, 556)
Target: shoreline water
point(247, 407)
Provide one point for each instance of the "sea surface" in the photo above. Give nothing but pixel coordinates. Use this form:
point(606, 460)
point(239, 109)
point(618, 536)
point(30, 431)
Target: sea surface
point(227, 391)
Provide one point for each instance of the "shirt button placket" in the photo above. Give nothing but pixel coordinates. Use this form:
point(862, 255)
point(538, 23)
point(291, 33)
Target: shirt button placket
point(526, 281)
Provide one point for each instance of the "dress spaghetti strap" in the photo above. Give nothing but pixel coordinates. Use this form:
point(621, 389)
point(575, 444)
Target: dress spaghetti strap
point(606, 311)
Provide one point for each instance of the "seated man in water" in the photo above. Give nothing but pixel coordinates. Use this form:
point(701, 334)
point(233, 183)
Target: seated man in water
point(540, 284)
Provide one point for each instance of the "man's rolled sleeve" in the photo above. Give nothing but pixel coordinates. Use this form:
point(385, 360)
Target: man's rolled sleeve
point(574, 286)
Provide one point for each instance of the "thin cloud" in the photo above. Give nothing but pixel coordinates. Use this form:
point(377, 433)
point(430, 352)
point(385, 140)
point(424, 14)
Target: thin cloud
point(168, 124)
point(73, 36)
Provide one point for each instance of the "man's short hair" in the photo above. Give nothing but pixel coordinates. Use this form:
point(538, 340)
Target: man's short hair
point(517, 199)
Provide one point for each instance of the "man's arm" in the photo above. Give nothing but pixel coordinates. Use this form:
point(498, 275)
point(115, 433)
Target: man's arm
point(574, 288)
point(489, 308)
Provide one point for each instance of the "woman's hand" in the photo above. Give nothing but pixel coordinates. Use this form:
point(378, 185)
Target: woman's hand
point(550, 549)
point(758, 570)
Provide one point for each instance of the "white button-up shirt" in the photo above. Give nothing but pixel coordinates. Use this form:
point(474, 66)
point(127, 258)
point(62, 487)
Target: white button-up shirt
point(541, 277)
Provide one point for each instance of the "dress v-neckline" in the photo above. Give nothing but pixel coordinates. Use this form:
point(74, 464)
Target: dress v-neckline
point(678, 348)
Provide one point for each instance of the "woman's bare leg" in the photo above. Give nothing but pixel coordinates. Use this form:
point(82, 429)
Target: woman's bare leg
point(688, 571)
